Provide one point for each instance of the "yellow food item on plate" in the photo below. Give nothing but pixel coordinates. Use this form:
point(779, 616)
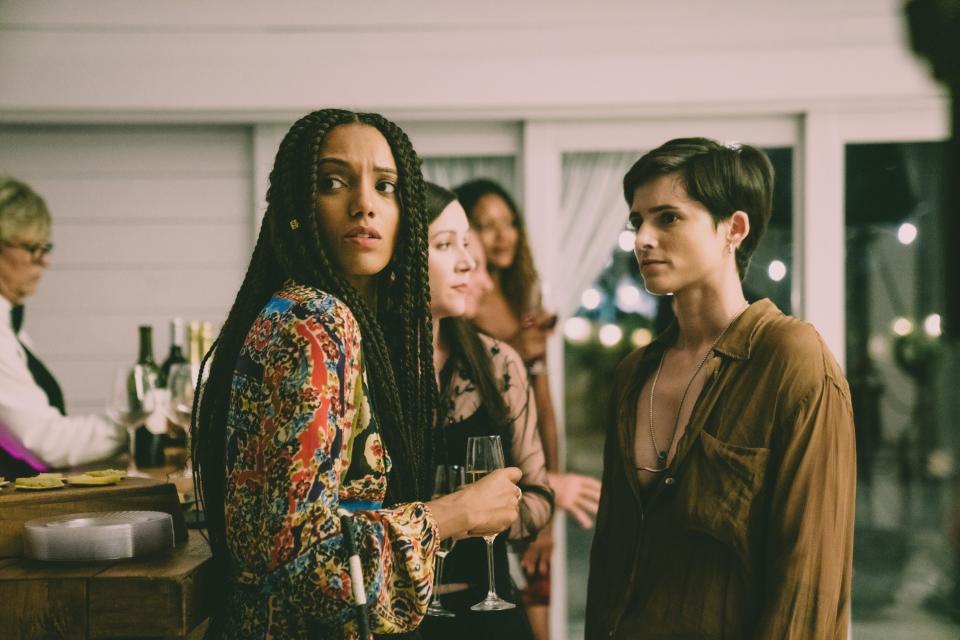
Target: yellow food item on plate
point(89, 480)
point(39, 482)
point(99, 473)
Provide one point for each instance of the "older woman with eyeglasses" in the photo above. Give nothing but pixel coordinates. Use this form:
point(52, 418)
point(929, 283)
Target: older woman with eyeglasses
point(35, 432)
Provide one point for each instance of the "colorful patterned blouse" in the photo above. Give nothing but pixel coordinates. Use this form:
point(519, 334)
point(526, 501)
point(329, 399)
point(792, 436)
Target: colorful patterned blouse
point(303, 447)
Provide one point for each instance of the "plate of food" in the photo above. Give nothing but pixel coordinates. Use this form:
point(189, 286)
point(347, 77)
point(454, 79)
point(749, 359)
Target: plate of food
point(40, 482)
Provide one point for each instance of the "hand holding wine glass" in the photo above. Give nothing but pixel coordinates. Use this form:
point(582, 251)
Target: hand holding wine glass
point(484, 455)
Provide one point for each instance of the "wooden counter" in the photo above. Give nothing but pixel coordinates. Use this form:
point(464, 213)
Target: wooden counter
point(165, 596)
point(17, 506)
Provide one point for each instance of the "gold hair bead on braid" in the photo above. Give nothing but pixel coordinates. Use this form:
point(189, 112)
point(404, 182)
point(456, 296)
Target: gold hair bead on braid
point(294, 224)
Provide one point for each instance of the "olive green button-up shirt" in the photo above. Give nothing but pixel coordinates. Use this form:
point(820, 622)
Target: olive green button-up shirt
point(749, 532)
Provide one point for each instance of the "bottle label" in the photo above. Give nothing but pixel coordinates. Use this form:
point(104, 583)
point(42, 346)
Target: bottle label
point(156, 422)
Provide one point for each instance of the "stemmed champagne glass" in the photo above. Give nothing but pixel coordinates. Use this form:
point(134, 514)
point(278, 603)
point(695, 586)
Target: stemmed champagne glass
point(448, 479)
point(181, 383)
point(484, 454)
point(132, 400)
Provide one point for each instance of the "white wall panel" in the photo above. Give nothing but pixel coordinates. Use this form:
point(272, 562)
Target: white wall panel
point(141, 289)
point(148, 223)
point(196, 199)
point(136, 246)
point(451, 60)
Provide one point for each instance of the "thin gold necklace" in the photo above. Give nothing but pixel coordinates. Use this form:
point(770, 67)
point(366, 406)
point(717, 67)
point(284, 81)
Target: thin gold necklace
point(662, 454)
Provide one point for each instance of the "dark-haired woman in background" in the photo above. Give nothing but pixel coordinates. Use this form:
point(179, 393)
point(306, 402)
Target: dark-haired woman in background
point(483, 391)
point(512, 311)
point(303, 419)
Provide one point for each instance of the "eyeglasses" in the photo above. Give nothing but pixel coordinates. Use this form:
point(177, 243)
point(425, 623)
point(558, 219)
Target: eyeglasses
point(37, 251)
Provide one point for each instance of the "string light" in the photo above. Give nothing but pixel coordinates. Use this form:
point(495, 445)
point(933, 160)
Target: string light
point(641, 337)
point(902, 327)
point(591, 299)
point(610, 335)
point(577, 330)
point(931, 325)
point(907, 233)
point(777, 270)
point(628, 297)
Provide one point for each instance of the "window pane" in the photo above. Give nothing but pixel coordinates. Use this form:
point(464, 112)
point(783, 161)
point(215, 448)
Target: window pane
point(451, 172)
point(903, 381)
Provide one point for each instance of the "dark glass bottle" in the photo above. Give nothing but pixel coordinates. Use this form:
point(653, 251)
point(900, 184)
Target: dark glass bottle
point(148, 446)
point(175, 355)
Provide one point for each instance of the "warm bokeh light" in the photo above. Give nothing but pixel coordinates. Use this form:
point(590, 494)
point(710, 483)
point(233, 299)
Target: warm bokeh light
point(878, 346)
point(577, 330)
point(902, 327)
point(777, 270)
point(907, 233)
point(931, 325)
point(641, 337)
point(628, 297)
point(610, 335)
point(591, 299)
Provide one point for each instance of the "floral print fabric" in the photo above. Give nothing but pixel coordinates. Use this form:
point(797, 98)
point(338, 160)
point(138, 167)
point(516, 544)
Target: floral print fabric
point(303, 448)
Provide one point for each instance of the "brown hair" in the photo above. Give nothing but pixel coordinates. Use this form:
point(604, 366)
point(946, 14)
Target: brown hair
point(520, 278)
point(723, 178)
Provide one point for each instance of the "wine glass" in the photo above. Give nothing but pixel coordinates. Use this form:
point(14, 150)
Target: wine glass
point(131, 402)
point(484, 454)
point(181, 383)
point(448, 479)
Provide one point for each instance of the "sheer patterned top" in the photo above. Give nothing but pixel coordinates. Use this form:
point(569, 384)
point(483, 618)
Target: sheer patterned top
point(463, 415)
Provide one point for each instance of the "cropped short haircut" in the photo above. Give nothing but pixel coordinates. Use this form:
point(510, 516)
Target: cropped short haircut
point(723, 178)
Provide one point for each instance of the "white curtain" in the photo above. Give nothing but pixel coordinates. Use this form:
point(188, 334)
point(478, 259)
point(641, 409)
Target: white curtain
point(452, 172)
point(592, 216)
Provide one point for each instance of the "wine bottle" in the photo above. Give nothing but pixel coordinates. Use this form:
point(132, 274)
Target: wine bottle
point(206, 337)
point(175, 355)
point(194, 343)
point(148, 445)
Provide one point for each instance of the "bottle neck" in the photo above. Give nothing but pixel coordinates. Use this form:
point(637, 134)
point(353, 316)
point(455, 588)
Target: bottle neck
point(146, 345)
point(206, 337)
point(177, 335)
point(194, 343)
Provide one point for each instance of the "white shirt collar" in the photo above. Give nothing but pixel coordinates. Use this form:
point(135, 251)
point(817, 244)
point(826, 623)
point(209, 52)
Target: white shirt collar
point(5, 308)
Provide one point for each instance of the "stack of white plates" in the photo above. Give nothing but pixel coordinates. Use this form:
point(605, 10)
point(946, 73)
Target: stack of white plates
point(109, 535)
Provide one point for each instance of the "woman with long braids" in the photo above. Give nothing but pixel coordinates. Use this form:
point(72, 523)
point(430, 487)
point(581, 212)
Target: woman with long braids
point(483, 391)
point(303, 419)
point(512, 311)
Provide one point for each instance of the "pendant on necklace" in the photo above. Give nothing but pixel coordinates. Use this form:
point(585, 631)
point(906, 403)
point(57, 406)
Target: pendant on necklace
point(662, 456)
